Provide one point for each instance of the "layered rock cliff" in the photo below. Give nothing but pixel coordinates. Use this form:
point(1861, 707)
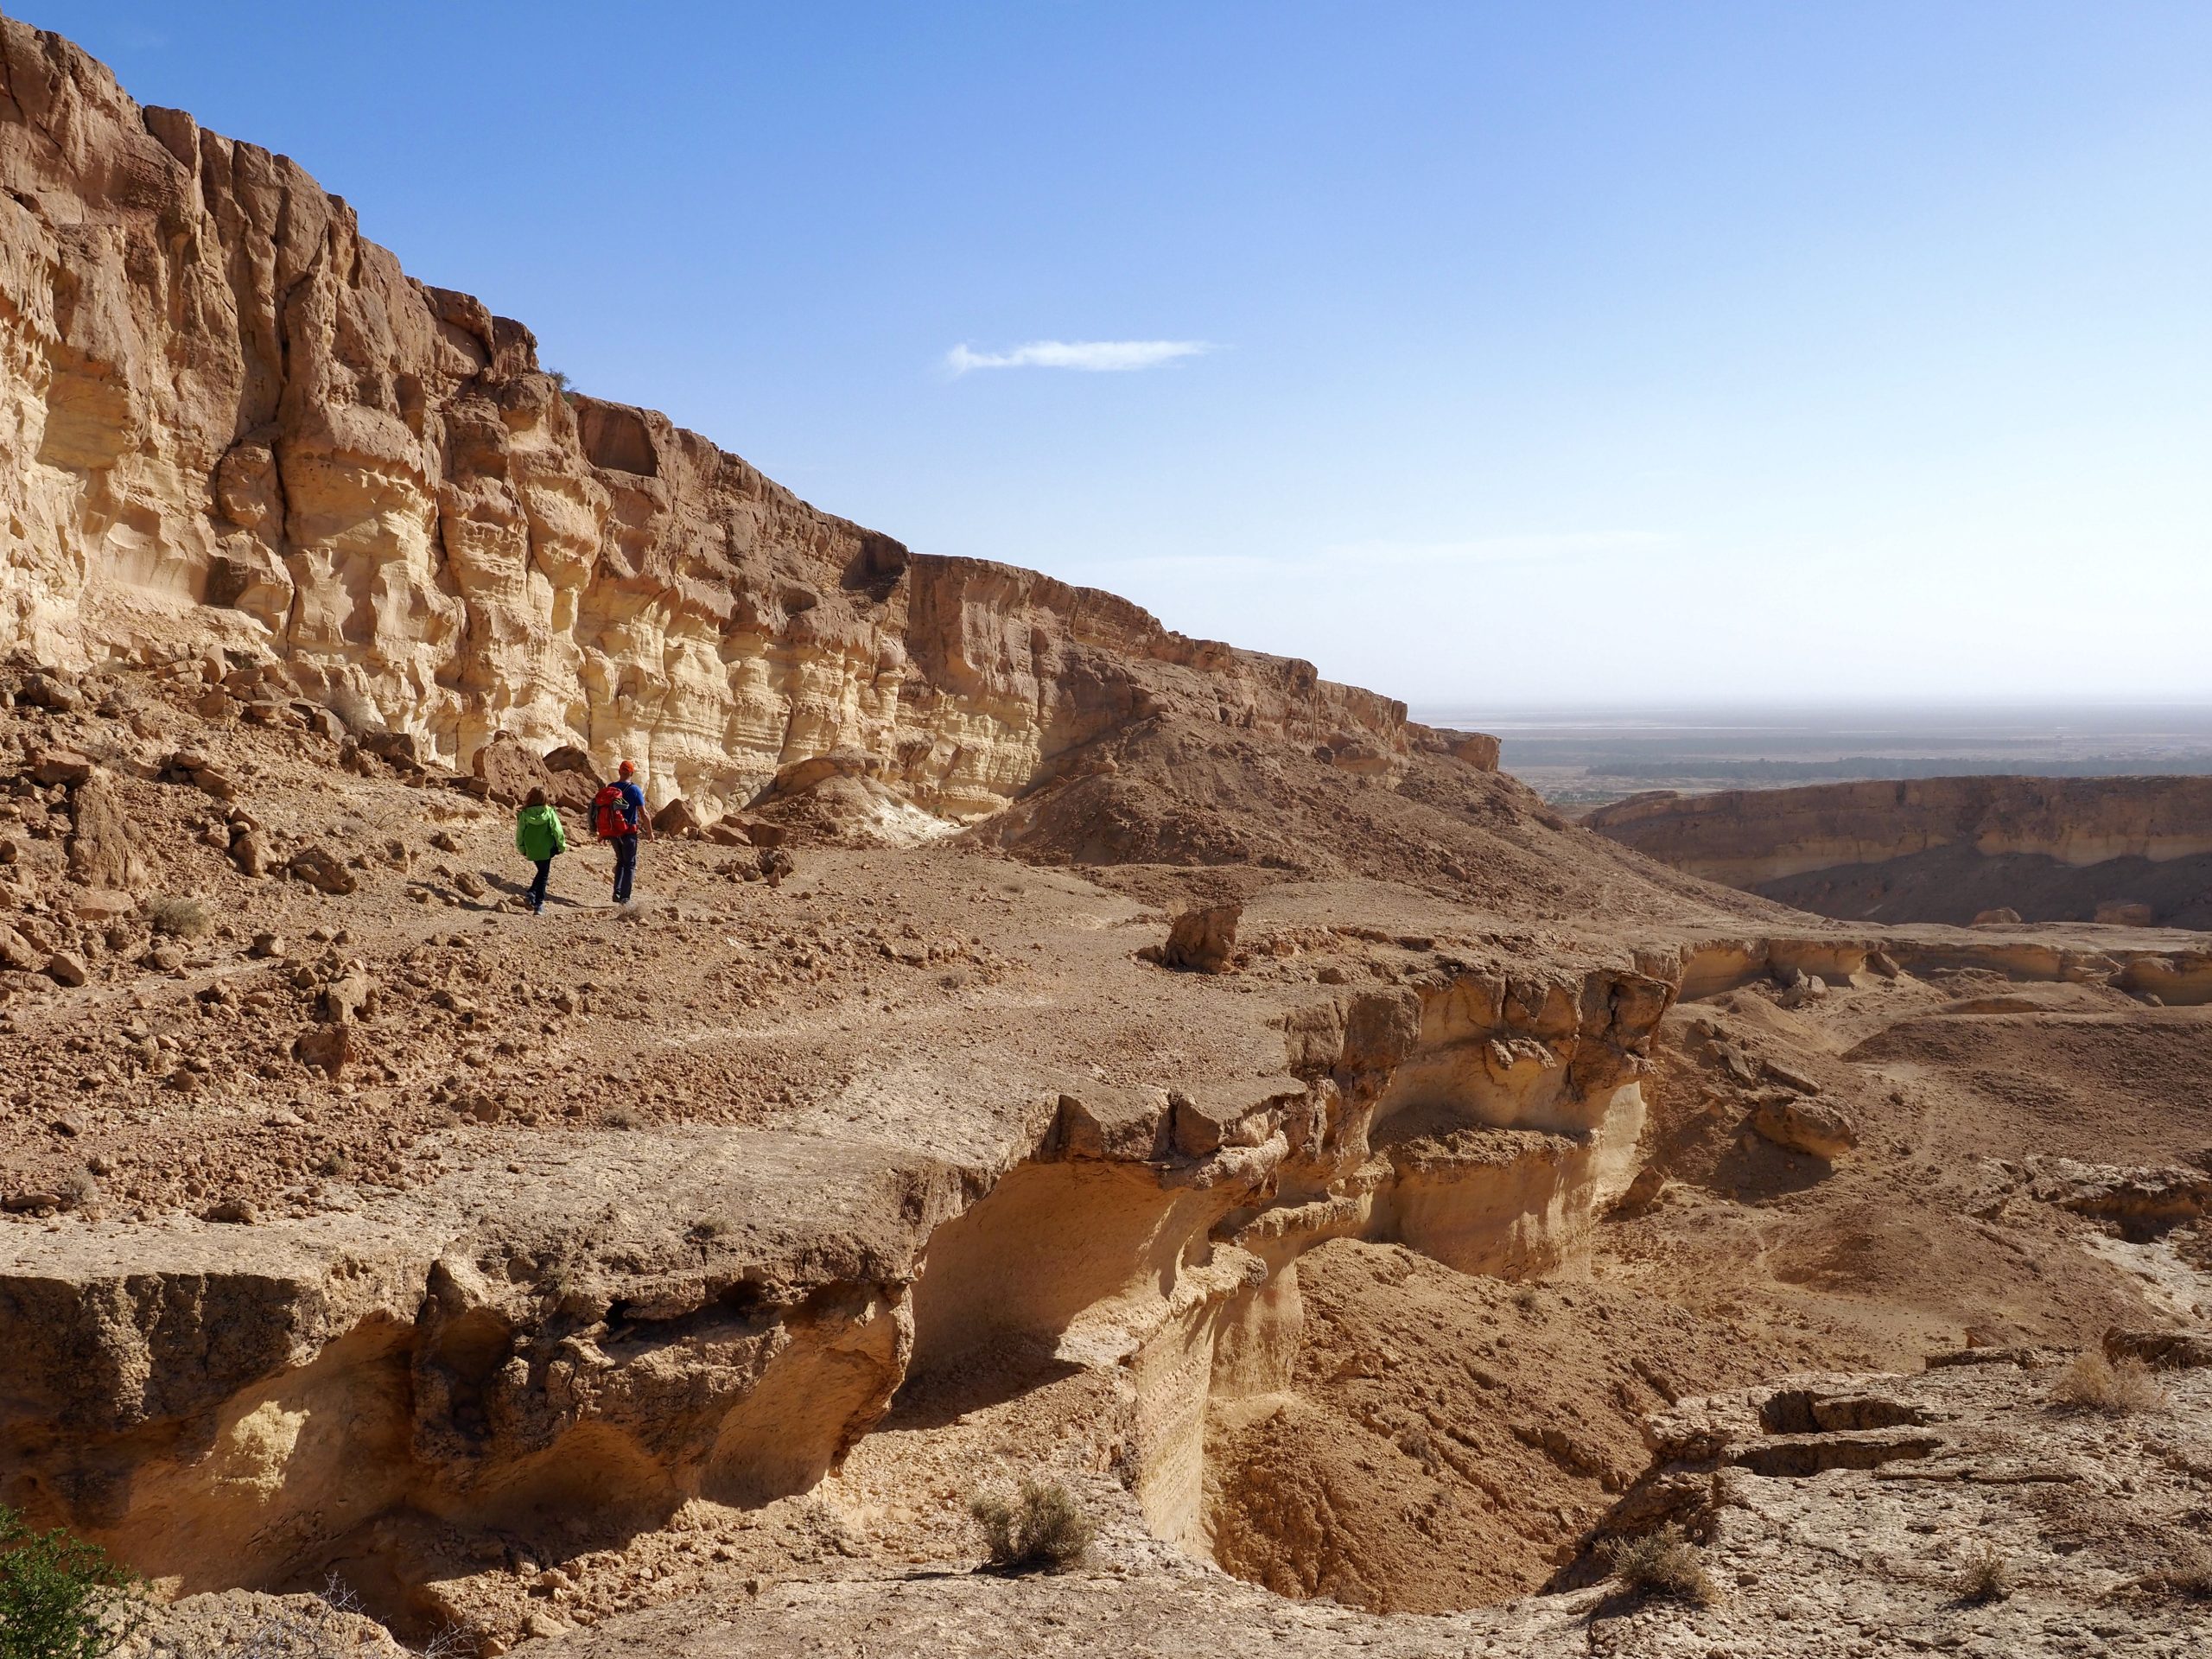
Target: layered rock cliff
point(2136, 850)
point(230, 421)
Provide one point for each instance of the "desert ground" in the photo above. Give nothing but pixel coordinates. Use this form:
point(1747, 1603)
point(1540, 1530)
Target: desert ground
point(1362, 1209)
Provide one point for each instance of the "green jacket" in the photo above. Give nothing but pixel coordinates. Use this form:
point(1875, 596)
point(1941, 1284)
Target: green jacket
point(538, 833)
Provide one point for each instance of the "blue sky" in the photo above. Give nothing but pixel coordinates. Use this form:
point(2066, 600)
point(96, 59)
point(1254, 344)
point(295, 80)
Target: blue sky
point(1485, 354)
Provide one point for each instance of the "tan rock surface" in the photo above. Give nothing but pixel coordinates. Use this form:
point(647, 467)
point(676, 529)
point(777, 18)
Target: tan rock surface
point(370, 481)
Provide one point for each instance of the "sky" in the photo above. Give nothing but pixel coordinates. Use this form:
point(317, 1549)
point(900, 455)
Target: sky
point(1493, 353)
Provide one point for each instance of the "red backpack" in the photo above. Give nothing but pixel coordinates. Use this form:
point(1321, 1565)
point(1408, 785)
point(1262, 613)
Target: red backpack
point(610, 814)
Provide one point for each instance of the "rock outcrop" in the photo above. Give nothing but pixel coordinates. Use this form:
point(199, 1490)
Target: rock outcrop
point(2127, 851)
point(235, 425)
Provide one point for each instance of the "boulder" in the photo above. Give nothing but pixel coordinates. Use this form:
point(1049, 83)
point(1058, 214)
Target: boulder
point(104, 905)
point(348, 997)
point(2123, 912)
point(1825, 1131)
point(1204, 940)
point(508, 771)
point(250, 853)
point(397, 748)
point(67, 968)
point(102, 844)
point(570, 759)
point(676, 818)
point(64, 767)
point(321, 869)
point(18, 953)
point(47, 690)
point(572, 791)
point(329, 1049)
point(2003, 916)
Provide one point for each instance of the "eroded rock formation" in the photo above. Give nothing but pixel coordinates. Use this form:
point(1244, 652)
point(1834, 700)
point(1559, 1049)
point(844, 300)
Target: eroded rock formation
point(2131, 851)
point(233, 422)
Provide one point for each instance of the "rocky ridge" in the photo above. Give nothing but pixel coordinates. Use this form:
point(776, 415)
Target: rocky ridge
point(235, 425)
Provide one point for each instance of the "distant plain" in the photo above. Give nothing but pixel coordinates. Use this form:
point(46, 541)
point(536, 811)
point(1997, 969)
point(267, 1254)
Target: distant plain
point(1578, 758)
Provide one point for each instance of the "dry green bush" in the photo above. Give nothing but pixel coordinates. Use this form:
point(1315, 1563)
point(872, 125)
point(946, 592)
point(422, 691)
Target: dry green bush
point(62, 1597)
point(1041, 1525)
point(179, 915)
point(1986, 1576)
point(2093, 1382)
point(1662, 1563)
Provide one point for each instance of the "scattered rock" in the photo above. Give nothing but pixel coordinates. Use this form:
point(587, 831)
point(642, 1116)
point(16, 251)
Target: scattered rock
point(266, 945)
point(677, 819)
point(67, 968)
point(2003, 916)
point(2123, 912)
point(233, 1212)
point(775, 865)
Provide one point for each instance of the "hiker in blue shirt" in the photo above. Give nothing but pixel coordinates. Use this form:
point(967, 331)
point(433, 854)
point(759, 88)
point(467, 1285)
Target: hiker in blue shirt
point(618, 817)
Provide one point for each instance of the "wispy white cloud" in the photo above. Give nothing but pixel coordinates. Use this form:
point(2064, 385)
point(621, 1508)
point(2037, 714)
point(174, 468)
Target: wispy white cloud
point(1094, 356)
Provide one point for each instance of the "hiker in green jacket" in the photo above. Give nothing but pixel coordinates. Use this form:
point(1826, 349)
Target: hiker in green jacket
point(540, 838)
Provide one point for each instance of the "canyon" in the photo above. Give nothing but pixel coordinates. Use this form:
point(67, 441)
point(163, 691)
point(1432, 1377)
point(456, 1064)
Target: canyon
point(1044, 1046)
point(2123, 850)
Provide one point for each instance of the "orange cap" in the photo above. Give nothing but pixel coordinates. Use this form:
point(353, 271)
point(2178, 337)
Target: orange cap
point(629, 766)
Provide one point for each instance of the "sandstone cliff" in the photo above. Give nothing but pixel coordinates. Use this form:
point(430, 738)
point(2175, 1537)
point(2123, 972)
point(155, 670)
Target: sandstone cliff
point(2131, 850)
point(229, 420)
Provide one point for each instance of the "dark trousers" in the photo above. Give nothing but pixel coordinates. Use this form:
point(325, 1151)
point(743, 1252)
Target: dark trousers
point(626, 866)
point(537, 887)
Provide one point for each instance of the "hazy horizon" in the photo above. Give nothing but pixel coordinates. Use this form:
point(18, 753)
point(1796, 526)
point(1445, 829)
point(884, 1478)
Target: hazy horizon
point(1476, 353)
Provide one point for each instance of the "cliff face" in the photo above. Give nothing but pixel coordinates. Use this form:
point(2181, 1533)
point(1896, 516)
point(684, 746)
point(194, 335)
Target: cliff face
point(1749, 837)
point(230, 421)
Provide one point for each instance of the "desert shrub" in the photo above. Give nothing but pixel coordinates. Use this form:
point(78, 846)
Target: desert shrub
point(1986, 1576)
point(1041, 1525)
point(620, 1117)
point(1662, 1563)
point(2093, 1382)
point(179, 915)
point(60, 1598)
point(329, 1624)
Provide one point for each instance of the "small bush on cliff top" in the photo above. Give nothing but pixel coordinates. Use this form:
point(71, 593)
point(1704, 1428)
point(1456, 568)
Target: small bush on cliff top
point(1042, 1525)
point(2094, 1384)
point(59, 1596)
point(1662, 1563)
